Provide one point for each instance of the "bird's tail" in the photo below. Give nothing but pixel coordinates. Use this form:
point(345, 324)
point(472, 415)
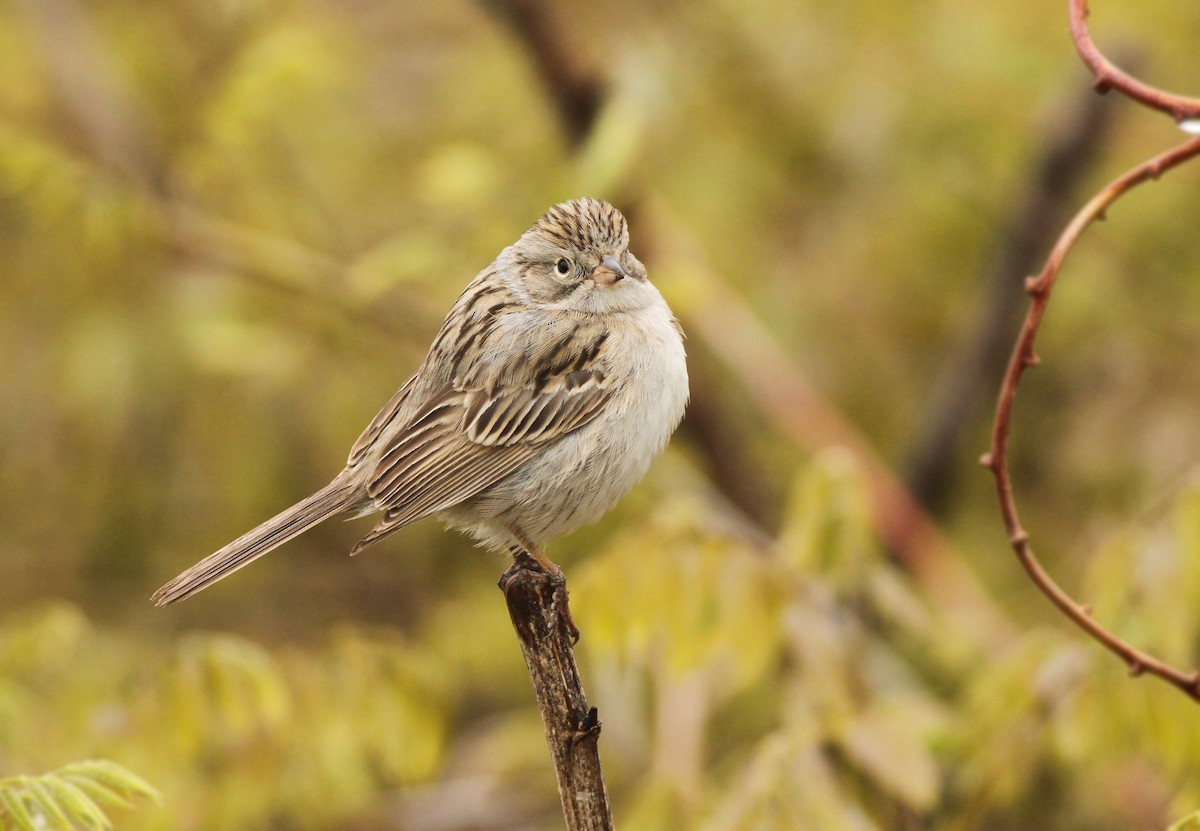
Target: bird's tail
point(332, 499)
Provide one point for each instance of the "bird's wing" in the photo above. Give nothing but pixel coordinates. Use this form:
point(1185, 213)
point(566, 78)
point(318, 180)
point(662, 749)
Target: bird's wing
point(371, 434)
point(480, 428)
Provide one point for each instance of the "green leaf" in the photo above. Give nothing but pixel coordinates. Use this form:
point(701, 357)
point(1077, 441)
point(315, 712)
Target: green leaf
point(76, 804)
point(45, 802)
point(68, 797)
point(12, 803)
point(118, 782)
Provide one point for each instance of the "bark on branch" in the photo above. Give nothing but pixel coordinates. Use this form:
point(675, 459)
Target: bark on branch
point(537, 605)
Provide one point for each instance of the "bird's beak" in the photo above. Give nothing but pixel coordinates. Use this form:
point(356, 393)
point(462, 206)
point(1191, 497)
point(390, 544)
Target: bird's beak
point(608, 272)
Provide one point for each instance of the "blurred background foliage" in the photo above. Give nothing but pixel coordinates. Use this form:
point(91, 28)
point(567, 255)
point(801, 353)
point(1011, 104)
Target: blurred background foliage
point(229, 230)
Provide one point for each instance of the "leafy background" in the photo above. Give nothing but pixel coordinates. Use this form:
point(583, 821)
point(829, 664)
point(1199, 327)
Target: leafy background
point(227, 232)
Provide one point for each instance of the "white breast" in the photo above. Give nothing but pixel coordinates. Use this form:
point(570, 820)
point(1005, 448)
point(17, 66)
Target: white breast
point(579, 478)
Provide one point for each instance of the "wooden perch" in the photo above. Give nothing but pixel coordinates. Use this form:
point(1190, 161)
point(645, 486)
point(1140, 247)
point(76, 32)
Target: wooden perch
point(537, 605)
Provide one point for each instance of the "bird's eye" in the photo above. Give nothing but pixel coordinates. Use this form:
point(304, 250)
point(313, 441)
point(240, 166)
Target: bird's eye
point(563, 265)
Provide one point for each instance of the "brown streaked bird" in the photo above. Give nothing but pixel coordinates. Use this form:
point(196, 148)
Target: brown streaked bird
point(556, 378)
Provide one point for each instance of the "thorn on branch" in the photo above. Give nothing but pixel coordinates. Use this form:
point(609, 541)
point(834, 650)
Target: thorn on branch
point(988, 460)
point(1109, 76)
point(588, 728)
point(1138, 663)
point(1031, 360)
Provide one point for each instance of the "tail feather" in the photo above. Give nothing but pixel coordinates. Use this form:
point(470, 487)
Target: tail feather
point(332, 499)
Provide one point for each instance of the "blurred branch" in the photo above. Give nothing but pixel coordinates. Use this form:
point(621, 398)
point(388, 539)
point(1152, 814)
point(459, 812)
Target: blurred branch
point(537, 606)
point(713, 428)
point(92, 99)
point(574, 92)
point(1109, 76)
point(280, 264)
point(1024, 357)
point(115, 132)
point(777, 387)
point(976, 363)
point(478, 803)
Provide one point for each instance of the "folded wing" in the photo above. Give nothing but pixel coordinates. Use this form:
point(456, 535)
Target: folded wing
point(473, 433)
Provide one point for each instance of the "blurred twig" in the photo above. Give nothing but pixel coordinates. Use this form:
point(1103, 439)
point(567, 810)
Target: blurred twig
point(779, 390)
point(713, 427)
point(114, 130)
point(574, 92)
point(478, 803)
point(277, 263)
point(976, 363)
point(92, 99)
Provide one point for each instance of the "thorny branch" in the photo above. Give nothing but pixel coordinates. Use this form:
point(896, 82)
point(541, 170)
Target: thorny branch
point(1109, 76)
point(1024, 357)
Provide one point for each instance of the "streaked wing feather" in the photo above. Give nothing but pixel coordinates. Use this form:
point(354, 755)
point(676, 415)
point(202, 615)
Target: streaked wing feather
point(472, 434)
point(462, 481)
point(528, 416)
point(371, 434)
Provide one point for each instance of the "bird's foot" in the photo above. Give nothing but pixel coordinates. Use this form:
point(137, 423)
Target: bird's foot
point(531, 559)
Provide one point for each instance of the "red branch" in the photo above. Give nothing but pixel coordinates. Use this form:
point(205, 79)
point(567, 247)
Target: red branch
point(1024, 357)
point(1109, 76)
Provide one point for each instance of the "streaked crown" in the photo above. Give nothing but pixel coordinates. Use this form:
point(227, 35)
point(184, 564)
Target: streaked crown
point(587, 223)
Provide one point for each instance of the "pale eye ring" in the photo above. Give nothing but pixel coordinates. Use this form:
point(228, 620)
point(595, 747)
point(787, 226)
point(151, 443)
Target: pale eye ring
point(563, 266)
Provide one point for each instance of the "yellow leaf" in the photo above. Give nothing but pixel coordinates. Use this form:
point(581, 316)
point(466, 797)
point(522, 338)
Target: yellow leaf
point(883, 743)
